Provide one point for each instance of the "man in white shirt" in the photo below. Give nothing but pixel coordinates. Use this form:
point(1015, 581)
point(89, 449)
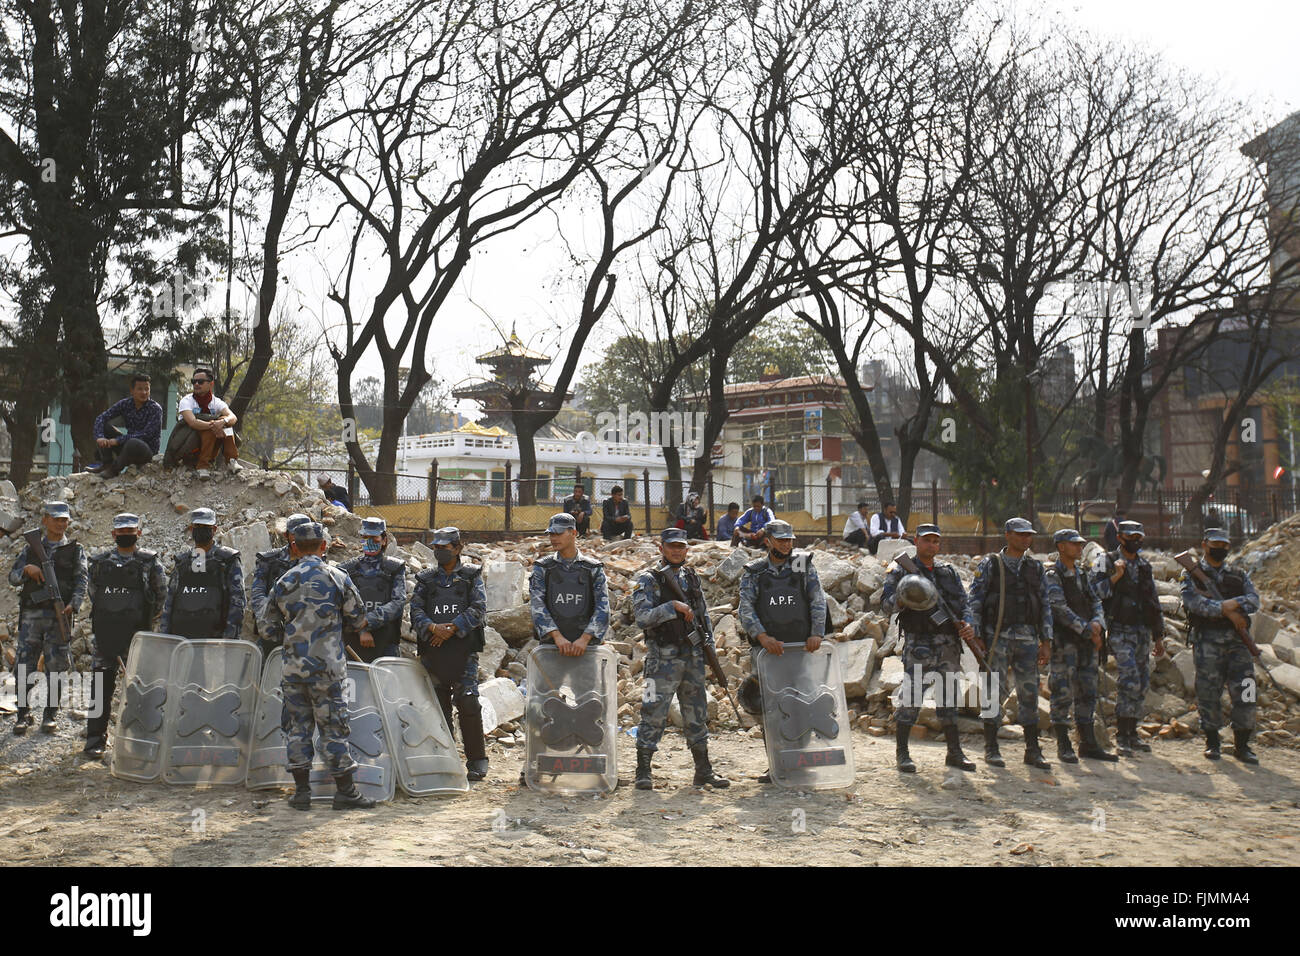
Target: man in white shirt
point(884, 524)
point(857, 528)
point(217, 434)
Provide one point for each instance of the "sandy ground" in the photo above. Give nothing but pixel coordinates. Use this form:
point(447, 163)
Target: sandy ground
point(1171, 807)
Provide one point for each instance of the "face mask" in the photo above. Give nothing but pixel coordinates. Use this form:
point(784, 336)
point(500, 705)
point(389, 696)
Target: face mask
point(1132, 547)
point(1217, 554)
point(371, 546)
point(203, 534)
point(444, 555)
point(126, 540)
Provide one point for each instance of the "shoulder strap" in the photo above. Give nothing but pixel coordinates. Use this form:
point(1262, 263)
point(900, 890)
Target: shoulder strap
point(468, 571)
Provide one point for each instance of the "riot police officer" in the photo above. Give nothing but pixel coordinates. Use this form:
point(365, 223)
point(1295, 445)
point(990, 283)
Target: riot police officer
point(1219, 653)
point(310, 604)
point(1134, 621)
point(674, 663)
point(38, 628)
point(1076, 644)
point(781, 599)
point(267, 568)
point(127, 589)
point(567, 593)
point(1015, 633)
point(205, 594)
point(447, 615)
point(928, 648)
point(382, 583)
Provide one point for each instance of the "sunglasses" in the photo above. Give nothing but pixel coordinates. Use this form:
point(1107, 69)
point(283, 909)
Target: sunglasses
point(199, 381)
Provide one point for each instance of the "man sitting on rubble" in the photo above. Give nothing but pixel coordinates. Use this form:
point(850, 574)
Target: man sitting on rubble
point(213, 420)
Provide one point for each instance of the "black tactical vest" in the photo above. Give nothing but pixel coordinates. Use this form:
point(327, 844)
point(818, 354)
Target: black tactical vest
point(123, 601)
point(377, 590)
point(66, 558)
point(674, 631)
point(1132, 603)
point(1023, 595)
point(445, 602)
point(200, 605)
point(277, 561)
point(570, 595)
point(1078, 601)
point(781, 605)
point(1232, 584)
point(945, 578)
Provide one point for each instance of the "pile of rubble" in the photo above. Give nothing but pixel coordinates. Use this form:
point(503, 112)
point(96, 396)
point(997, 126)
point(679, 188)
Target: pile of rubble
point(251, 507)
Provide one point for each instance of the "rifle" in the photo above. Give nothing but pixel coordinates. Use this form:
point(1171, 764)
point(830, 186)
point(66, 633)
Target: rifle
point(1207, 588)
point(942, 613)
point(698, 638)
point(37, 551)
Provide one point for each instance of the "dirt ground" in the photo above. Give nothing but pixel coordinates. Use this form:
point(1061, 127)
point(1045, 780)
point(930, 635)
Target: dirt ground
point(1170, 807)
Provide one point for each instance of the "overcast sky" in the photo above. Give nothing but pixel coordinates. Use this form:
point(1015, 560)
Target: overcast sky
point(1253, 46)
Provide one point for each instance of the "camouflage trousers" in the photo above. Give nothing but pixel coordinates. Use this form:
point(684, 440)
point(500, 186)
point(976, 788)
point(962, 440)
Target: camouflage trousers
point(1073, 680)
point(923, 655)
point(1016, 650)
point(38, 632)
point(316, 704)
point(1131, 648)
point(673, 669)
point(1220, 659)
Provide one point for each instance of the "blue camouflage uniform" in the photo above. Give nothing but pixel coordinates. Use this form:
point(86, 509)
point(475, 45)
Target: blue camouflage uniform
point(1073, 677)
point(592, 615)
point(927, 649)
point(1016, 648)
point(381, 617)
point(234, 593)
point(1220, 656)
point(38, 627)
point(672, 664)
point(312, 602)
point(1129, 640)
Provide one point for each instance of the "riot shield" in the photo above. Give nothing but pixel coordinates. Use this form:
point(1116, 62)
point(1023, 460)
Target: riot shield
point(209, 728)
point(571, 715)
point(138, 736)
point(423, 749)
point(806, 718)
point(368, 736)
point(266, 760)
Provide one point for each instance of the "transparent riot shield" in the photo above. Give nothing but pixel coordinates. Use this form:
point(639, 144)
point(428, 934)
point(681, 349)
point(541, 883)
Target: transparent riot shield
point(368, 736)
point(266, 760)
point(423, 749)
point(209, 726)
point(138, 736)
point(805, 718)
point(571, 715)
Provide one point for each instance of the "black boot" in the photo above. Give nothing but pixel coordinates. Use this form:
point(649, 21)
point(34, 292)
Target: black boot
point(901, 734)
point(1241, 745)
point(1063, 748)
point(1089, 748)
point(96, 737)
point(992, 756)
point(704, 769)
point(470, 716)
point(301, 799)
point(23, 721)
point(643, 778)
point(1034, 753)
point(1212, 744)
point(1122, 742)
point(955, 757)
point(1136, 742)
point(765, 776)
point(348, 796)
point(48, 724)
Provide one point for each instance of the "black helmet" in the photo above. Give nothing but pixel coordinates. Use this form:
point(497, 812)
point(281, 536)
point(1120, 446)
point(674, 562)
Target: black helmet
point(749, 697)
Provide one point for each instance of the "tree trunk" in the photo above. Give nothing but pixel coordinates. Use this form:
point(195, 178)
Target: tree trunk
point(526, 425)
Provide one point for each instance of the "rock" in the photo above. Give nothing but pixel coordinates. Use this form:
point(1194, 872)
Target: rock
point(515, 625)
point(732, 567)
point(726, 631)
point(836, 613)
point(493, 653)
point(1263, 627)
point(248, 540)
point(1172, 605)
point(857, 664)
point(1287, 676)
point(425, 554)
point(1163, 567)
point(891, 674)
point(506, 583)
point(501, 701)
point(1185, 663)
point(283, 486)
point(869, 578)
point(7, 489)
point(832, 571)
point(890, 548)
point(1284, 645)
point(1164, 706)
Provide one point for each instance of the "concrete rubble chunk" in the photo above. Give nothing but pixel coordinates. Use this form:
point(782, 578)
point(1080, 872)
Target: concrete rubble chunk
point(890, 548)
point(248, 541)
point(1287, 676)
point(494, 651)
point(506, 583)
point(733, 566)
point(1263, 627)
point(501, 700)
point(857, 664)
point(515, 625)
point(836, 613)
